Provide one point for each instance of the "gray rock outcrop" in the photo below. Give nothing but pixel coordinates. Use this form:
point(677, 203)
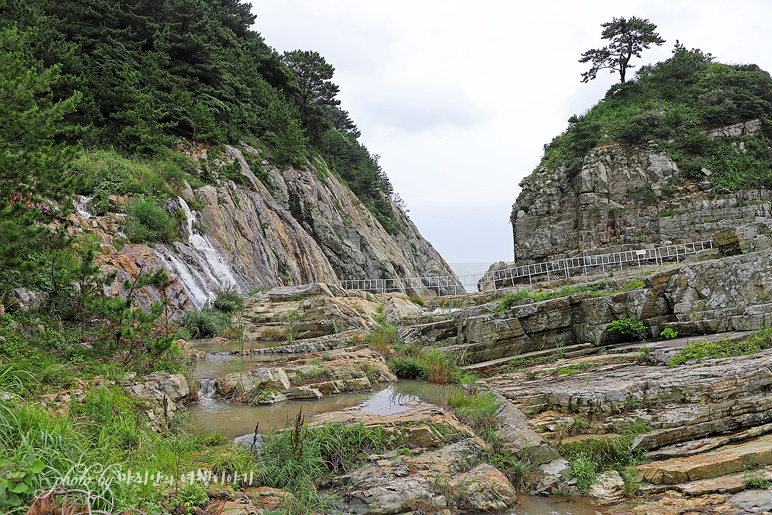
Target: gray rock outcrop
point(297, 226)
point(625, 197)
point(728, 294)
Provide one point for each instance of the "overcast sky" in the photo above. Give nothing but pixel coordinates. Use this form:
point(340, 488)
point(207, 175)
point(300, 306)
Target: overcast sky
point(458, 98)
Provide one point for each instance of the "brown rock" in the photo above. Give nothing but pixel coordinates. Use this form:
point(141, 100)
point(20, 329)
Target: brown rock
point(485, 489)
point(674, 503)
point(725, 460)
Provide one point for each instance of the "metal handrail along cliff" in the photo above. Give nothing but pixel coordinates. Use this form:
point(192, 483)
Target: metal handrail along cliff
point(567, 267)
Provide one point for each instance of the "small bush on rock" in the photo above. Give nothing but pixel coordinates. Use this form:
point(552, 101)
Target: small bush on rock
point(147, 222)
point(629, 327)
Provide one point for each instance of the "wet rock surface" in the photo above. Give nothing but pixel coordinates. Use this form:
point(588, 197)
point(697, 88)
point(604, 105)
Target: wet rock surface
point(305, 343)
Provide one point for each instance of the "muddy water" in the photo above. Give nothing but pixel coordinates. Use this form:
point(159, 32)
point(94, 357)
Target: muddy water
point(235, 420)
point(532, 505)
point(227, 346)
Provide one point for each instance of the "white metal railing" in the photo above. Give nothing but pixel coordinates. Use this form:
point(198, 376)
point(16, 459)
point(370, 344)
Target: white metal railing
point(581, 264)
point(442, 285)
point(568, 267)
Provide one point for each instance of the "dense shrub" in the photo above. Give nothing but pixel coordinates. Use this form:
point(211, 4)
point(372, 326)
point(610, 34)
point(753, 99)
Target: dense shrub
point(407, 367)
point(205, 324)
point(145, 221)
point(629, 327)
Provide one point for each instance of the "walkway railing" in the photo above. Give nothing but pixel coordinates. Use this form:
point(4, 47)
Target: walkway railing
point(581, 265)
point(441, 285)
point(560, 268)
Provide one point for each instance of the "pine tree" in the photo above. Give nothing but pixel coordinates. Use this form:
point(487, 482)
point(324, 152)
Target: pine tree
point(32, 163)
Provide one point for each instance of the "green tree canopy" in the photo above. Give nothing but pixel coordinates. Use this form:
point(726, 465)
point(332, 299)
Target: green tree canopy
point(31, 162)
point(316, 93)
point(627, 39)
point(152, 74)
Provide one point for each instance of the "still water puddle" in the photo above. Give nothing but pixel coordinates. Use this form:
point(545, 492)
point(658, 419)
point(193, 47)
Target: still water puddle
point(532, 505)
point(218, 345)
point(235, 420)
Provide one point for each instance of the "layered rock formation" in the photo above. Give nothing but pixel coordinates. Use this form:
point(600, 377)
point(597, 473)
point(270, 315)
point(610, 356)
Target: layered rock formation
point(729, 294)
point(629, 196)
point(292, 227)
point(438, 468)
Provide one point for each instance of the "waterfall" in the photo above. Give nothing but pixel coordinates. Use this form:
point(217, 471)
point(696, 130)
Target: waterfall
point(200, 266)
point(80, 206)
point(206, 391)
point(194, 283)
point(212, 257)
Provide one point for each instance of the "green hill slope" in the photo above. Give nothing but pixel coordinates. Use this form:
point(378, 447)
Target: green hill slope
point(674, 103)
point(150, 74)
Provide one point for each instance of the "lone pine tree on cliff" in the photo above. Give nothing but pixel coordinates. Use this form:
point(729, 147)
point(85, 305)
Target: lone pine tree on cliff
point(628, 38)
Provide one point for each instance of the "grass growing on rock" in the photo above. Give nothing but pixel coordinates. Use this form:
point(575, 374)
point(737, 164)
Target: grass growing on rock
point(145, 221)
point(415, 361)
point(211, 322)
point(515, 299)
point(478, 411)
point(592, 456)
point(704, 349)
point(429, 364)
point(298, 458)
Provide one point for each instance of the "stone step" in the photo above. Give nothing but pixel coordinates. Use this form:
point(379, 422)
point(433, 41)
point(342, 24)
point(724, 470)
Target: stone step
point(725, 460)
point(676, 343)
point(569, 351)
point(319, 344)
point(728, 484)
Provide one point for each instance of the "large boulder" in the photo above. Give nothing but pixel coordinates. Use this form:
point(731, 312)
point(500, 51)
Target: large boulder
point(162, 395)
point(261, 378)
point(485, 489)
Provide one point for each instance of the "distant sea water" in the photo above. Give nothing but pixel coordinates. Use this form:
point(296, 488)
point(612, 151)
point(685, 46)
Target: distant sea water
point(463, 270)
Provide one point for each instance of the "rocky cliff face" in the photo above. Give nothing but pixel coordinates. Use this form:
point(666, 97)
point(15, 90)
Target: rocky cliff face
point(293, 227)
point(632, 196)
point(729, 294)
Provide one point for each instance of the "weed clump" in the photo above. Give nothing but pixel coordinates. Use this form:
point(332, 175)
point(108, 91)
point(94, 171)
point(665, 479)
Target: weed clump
point(629, 327)
point(704, 349)
point(515, 299)
point(590, 457)
point(211, 322)
point(145, 221)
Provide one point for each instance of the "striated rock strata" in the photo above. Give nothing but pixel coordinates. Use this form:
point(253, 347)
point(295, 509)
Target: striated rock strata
point(296, 226)
point(631, 196)
point(729, 294)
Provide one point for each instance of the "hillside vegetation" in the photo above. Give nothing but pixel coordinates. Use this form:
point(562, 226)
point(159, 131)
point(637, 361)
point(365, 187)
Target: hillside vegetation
point(674, 103)
point(112, 98)
point(145, 75)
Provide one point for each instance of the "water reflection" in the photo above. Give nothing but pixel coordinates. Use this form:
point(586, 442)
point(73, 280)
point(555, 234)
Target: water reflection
point(531, 505)
point(236, 420)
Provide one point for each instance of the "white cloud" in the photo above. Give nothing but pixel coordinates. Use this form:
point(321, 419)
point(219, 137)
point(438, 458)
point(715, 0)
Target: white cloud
point(459, 98)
